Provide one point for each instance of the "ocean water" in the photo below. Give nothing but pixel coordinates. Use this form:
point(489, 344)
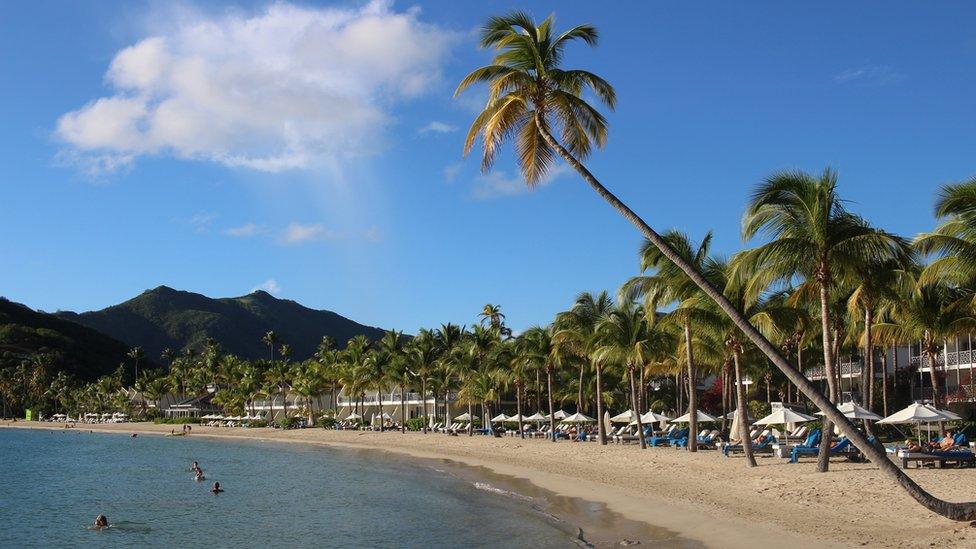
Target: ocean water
point(54, 483)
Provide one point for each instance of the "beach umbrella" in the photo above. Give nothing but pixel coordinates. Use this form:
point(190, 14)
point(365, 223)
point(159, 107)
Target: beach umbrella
point(626, 417)
point(536, 418)
point(500, 418)
point(559, 415)
point(853, 411)
point(578, 418)
point(651, 417)
point(515, 418)
point(463, 417)
point(731, 415)
point(353, 416)
point(917, 413)
point(607, 427)
point(784, 416)
point(702, 418)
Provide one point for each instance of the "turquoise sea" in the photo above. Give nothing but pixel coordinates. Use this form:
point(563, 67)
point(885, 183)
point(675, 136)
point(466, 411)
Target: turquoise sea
point(54, 483)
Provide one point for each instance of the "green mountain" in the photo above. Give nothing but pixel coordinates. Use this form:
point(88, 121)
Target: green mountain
point(166, 318)
point(76, 349)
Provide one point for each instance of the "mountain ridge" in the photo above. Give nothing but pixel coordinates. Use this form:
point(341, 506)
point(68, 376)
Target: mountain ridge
point(164, 317)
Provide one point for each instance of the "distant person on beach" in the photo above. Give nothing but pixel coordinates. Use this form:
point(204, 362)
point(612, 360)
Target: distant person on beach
point(216, 488)
point(101, 521)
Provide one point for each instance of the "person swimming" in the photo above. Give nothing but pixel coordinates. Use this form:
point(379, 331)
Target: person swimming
point(216, 488)
point(195, 467)
point(101, 521)
point(199, 476)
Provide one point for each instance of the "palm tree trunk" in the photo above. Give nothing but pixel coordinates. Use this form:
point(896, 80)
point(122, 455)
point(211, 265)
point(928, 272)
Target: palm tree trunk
point(635, 404)
point(692, 393)
point(423, 397)
point(579, 400)
point(884, 383)
point(826, 432)
point(600, 427)
point(518, 408)
point(640, 392)
point(379, 398)
point(956, 511)
point(470, 419)
point(740, 411)
point(552, 412)
point(403, 408)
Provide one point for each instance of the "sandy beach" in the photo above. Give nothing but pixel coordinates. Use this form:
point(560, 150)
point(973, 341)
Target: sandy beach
point(704, 497)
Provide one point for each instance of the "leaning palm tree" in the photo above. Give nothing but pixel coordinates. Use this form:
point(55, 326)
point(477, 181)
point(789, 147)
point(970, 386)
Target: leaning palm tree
point(530, 95)
point(812, 237)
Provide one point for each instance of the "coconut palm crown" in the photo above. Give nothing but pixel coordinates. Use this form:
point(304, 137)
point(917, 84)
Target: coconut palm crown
point(528, 88)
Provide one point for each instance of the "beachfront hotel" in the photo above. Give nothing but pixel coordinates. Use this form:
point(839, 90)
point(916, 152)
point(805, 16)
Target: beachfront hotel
point(905, 364)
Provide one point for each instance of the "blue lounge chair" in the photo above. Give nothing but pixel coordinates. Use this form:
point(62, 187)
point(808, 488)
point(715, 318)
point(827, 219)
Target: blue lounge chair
point(706, 440)
point(664, 440)
point(843, 447)
point(765, 445)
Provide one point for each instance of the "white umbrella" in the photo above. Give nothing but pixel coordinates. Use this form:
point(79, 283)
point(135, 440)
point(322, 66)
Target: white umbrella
point(463, 417)
point(784, 416)
point(607, 427)
point(499, 418)
point(853, 411)
point(918, 413)
point(731, 415)
point(353, 416)
point(515, 418)
point(578, 418)
point(626, 417)
point(536, 417)
point(651, 417)
point(559, 415)
point(702, 417)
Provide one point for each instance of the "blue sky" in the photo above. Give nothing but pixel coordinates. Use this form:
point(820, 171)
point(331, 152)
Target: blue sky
point(314, 149)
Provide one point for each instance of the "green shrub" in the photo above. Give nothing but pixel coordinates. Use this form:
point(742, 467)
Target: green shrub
point(326, 422)
point(152, 414)
point(287, 422)
point(257, 423)
point(415, 424)
point(758, 408)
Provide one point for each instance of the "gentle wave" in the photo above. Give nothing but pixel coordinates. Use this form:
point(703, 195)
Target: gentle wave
point(489, 488)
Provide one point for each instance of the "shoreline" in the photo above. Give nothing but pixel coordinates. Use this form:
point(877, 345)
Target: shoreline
point(704, 498)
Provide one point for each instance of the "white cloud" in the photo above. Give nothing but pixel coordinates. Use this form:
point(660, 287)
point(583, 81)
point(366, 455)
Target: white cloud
point(872, 74)
point(201, 221)
point(286, 87)
point(270, 285)
point(437, 127)
point(245, 230)
point(373, 234)
point(451, 172)
point(297, 233)
point(498, 184)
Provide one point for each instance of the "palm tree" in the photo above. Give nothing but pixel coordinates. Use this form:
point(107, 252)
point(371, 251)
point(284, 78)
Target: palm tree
point(529, 94)
point(624, 339)
point(814, 237)
point(953, 242)
point(930, 314)
point(271, 340)
point(136, 354)
point(669, 285)
point(578, 332)
point(422, 354)
point(538, 348)
point(168, 355)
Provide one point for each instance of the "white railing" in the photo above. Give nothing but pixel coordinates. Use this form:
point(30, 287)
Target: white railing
point(390, 398)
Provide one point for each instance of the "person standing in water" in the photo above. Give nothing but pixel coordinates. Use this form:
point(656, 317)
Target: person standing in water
point(101, 521)
point(216, 488)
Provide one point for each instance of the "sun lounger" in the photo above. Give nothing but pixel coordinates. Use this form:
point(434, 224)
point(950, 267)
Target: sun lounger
point(764, 446)
point(666, 440)
point(842, 448)
point(962, 458)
